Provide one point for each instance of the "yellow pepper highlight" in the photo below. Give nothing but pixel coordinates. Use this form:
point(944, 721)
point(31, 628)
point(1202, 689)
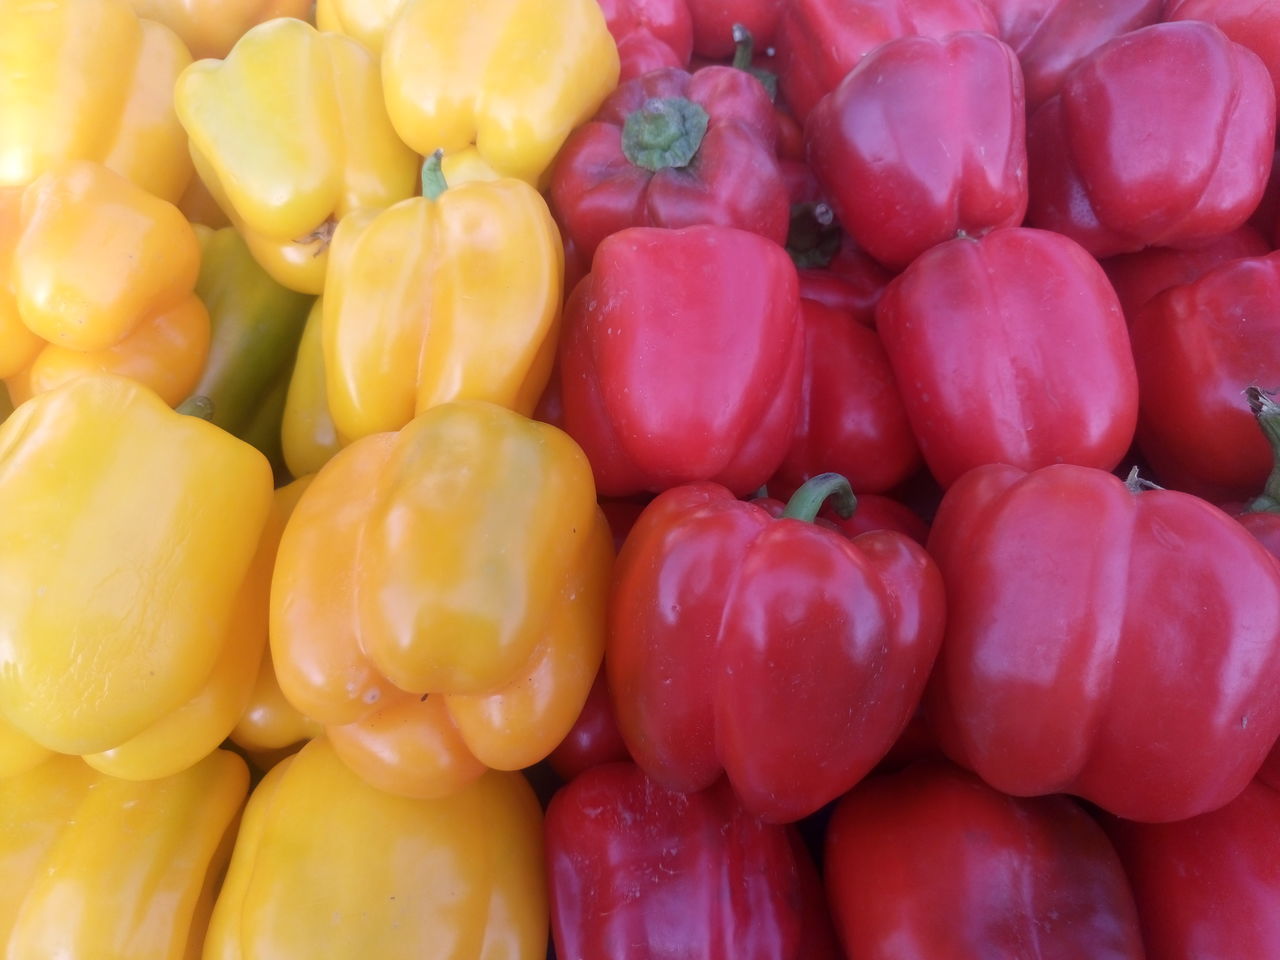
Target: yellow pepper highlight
point(439, 597)
point(210, 28)
point(96, 868)
point(366, 20)
point(89, 80)
point(512, 77)
point(289, 134)
point(328, 868)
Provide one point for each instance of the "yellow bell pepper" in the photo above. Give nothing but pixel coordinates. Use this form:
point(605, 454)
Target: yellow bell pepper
point(126, 306)
point(88, 80)
point(454, 295)
point(366, 20)
point(512, 77)
point(210, 28)
point(307, 434)
point(439, 597)
point(133, 577)
point(328, 868)
point(96, 868)
point(289, 134)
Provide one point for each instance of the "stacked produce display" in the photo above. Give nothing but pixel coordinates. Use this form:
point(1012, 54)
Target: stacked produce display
point(753, 479)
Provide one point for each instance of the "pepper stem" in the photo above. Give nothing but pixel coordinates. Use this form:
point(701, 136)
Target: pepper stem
point(196, 405)
point(1267, 413)
point(1137, 484)
point(665, 132)
point(808, 500)
point(744, 51)
point(433, 181)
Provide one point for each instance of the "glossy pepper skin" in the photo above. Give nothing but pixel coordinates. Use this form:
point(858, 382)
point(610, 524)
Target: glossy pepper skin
point(1160, 137)
point(50, 115)
point(775, 651)
point(923, 140)
point(637, 872)
point(650, 34)
point(288, 165)
point(132, 593)
point(1104, 639)
point(105, 868)
point(328, 868)
point(126, 307)
point(820, 41)
point(448, 296)
point(932, 864)
point(1253, 25)
point(1046, 376)
point(210, 28)
point(510, 78)
point(365, 20)
point(438, 598)
point(308, 438)
point(681, 359)
point(674, 149)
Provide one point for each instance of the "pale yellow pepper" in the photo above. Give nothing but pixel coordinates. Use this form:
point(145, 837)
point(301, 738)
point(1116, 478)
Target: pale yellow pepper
point(366, 20)
point(307, 435)
point(210, 28)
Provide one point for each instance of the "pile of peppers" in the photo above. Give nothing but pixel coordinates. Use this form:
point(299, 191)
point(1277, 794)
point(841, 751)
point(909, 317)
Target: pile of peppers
point(628, 479)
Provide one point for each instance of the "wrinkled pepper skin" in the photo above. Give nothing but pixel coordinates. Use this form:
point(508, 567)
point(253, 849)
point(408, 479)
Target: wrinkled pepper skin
point(286, 167)
point(438, 598)
point(650, 34)
point(455, 297)
point(772, 650)
point(623, 170)
point(210, 28)
point(819, 41)
point(132, 587)
point(100, 867)
point(932, 864)
point(1207, 888)
point(127, 307)
point(511, 77)
point(52, 114)
point(1197, 347)
point(681, 359)
point(308, 438)
point(1106, 640)
point(1047, 375)
point(365, 20)
point(923, 140)
point(1160, 137)
point(638, 872)
point(327, 868)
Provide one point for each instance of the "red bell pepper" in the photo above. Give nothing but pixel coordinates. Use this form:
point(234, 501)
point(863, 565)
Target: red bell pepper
point(1208, 888)
point(874, 512)
point(1104, 639)
point(681, 359)
point(1247, 22)
point(923, 140)
point(932, 864)
point(819, 41)
point(777, 651)
point(1160, 137)
point(714, 22)
point(1010, 349)
point(1261, 515)
point(1052, 36)
point(638, 872)
point(673, 149)
point(650, 34)
point(1197, 347)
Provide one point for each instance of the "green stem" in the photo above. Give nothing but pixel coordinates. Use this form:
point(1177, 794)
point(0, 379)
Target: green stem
point(813, 236)
point(744, 51)
point(808, 500)
point(197, 405)
point(665, 132)
point(433, 181)
point(1267, 413)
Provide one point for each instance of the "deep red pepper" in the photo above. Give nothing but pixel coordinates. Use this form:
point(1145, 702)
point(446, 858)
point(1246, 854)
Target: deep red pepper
point(714, 20)
point(932, 864)
point(650, 34)
point(1247, 22)
point(1104, 639)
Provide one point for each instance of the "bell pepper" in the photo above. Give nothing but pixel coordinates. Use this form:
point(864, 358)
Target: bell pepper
point(1197, 347)
point(674, 149)
point(1160, 137)
point(308, 438)
point(775, 651)
point(1047, 375)
point(932, 864)
point(132, 587)
point(681, 359)
point(1261, 514)
point(454, 295)
point(365, 20)
point(1252, 25)
point(210, 28)
point(820, 41)
point(438, 598)
point(289, 134)
point(89, 80)
point(511, 78)
point(650, 34)
point(714, 22)
point(105, 868)
point(1104, 639)
point(126, 307)
point(327, 868)
point(924, 140)
point(638, 872)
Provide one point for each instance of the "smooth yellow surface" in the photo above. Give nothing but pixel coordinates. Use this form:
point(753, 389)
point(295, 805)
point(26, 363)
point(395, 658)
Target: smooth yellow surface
point(18, 345)
point(210, 28)
point(307, 433)
point(88, 80)
point(365, 20)
point(328, 868)
point(512, 77)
